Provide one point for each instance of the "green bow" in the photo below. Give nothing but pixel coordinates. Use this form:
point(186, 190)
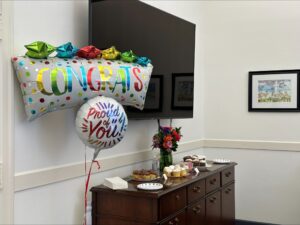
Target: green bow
point(39, 50)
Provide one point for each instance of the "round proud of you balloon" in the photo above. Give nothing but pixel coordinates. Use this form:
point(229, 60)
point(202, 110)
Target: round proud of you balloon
point(101, 123)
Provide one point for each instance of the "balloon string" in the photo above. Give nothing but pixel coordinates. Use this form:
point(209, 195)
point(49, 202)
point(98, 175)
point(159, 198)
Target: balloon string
point(85, 177)
point(87, 186)
point(85, 161)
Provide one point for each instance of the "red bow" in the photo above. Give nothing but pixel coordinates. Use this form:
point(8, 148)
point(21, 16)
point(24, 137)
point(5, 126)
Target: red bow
point(88, 52)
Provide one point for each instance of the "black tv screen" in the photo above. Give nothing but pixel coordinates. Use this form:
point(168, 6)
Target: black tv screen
point(166, 39)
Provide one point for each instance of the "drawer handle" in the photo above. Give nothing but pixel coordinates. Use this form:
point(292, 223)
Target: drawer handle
point(197, 189)
point(176, 220)
point(227, 174)
point(213, 181)
point(228, 191)
point(171, 223)
point(213, 199)
point(177, 197)
point(197, 209)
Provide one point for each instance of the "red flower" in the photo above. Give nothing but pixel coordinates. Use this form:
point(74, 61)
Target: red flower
point(176, 135)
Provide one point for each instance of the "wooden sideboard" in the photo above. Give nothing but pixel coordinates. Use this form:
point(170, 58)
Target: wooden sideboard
point(206, 199)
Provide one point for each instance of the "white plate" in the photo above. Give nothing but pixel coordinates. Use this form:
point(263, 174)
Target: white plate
point(221, 161)
point(150, 186)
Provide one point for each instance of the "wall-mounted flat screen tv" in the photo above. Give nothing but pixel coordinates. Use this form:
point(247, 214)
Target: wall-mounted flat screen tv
point(167, 40)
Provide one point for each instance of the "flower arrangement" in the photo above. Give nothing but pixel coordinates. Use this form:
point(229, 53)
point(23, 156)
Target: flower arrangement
point(167, 139)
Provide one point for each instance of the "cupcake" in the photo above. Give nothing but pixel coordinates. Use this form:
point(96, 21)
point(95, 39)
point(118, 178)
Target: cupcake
point(168, 171)
point(183, 172)
point(176, 172)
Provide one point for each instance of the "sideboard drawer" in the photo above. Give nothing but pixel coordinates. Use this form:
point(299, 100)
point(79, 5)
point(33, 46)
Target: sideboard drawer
point(227, 175)
point(172, 202)
point(213, 182)
point(196, 190)
point(196, 213)
point(176, 220)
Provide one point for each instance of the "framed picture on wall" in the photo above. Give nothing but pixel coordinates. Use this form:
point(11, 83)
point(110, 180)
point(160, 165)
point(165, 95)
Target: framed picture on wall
point(182, 91)
point(154, 97)
point(154, 94)
point(274, 91)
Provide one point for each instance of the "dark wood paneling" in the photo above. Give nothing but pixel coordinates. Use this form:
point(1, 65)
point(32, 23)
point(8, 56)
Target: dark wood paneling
point(110, 220)
point(131, 207)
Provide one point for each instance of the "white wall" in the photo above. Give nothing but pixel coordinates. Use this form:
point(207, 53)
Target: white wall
point(1, 136)
point(55, 143)
point(51, 140)
point(232, 38)
point(240, 36)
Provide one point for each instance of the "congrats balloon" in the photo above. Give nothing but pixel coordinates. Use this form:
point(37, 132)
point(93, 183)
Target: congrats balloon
point(52, 84)
point(101, 123)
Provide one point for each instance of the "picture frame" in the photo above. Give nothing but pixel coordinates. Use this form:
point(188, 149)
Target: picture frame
point(154, 97)
point(182, 91)
point(274, 91)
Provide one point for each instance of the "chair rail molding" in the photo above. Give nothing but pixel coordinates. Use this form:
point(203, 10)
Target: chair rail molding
point(7, 110)
point(35, 178)
point(44, 176)
point(291, 146)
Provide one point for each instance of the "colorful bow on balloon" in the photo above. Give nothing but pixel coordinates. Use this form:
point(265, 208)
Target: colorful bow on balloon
point(143, 61)
point(66, 51)
point(89, 52)
point(39, 50)
point(128, 56)
point(110, 53)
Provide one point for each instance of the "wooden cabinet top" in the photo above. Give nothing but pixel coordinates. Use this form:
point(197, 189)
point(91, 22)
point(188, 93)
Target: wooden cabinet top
point(170, 185)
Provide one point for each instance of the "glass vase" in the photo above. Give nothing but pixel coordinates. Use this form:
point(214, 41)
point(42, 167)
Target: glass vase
point(166, 159)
